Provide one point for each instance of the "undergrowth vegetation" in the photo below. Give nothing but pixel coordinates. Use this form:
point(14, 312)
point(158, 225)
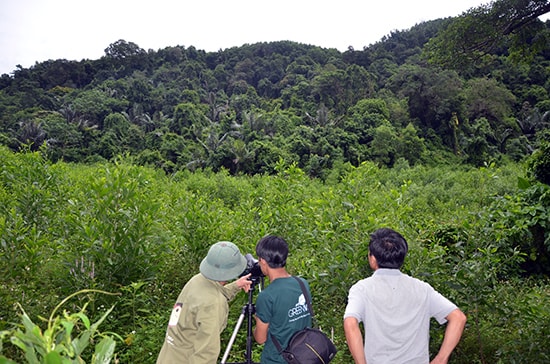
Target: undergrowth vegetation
point(476, 234)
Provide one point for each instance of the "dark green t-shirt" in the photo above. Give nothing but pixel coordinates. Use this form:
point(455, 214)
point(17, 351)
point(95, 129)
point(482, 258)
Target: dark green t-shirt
point(283, 306)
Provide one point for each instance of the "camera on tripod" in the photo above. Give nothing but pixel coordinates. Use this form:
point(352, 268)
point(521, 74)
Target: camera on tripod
point(256, 276)
point(252, 267)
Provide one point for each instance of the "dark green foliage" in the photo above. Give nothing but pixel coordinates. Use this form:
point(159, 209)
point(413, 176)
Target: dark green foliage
point(511, 25)
point(223, 109)
point(539, 163)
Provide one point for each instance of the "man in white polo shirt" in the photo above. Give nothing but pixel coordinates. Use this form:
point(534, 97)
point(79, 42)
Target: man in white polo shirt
point(396, 310)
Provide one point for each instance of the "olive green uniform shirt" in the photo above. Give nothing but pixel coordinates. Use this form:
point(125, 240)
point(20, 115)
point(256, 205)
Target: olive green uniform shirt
point(197, 320)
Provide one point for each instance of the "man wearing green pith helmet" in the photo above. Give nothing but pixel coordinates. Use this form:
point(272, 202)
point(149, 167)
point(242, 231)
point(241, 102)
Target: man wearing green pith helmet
point(200, 313)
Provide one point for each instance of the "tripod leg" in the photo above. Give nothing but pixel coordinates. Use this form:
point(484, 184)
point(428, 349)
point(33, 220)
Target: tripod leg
point(233, 336)
point(248, 311)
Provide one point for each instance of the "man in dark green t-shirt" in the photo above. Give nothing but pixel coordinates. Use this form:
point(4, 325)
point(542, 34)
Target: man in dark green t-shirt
point(281, 308)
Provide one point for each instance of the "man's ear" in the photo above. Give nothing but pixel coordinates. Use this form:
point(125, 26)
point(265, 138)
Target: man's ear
point(372, 262)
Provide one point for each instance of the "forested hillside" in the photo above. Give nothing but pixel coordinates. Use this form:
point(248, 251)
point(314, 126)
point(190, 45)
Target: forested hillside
point(246, 108)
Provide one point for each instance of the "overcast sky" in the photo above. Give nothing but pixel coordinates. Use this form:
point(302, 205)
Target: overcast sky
point(38, 30)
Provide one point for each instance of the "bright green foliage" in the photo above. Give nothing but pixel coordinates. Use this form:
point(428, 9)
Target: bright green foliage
point(523, 222)
point(95, 105)
point(318, 146)
point(28, 191)
point(64, 340)
point(188, 119)
point(109, 222)
point(143, 233)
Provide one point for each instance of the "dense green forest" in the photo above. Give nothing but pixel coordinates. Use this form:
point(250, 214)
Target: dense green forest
point(245, 108)
point(117, 174)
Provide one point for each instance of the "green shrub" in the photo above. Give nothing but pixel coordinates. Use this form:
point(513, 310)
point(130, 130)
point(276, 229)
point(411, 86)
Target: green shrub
point(64, 339)
point(539, 162)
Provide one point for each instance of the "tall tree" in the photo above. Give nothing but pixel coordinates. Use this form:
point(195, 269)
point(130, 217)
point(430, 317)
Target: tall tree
point(122, 49)
point(432, 95)
point(485, 97)
point(512, 24)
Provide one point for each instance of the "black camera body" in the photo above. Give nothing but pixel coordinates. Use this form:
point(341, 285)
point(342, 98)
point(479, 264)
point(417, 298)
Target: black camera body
point(252, 267)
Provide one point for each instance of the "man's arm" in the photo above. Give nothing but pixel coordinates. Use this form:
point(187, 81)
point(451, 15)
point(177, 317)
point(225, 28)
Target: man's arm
point(456, 321)
point(231, 289)
point(260, 331)
point(354, 339)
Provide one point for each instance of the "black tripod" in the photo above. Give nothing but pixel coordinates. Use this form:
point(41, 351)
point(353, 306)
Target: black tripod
point(248, 310)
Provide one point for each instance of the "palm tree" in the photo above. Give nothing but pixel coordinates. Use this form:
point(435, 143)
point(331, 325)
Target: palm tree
point(31, 134)
point(242, 154)
point(533, 122)
point(74, 117)
point(323, 117)
point(135, 115)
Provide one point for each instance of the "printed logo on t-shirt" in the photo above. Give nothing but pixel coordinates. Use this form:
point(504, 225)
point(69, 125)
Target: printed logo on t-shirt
point(299, 310)
point(175, 315)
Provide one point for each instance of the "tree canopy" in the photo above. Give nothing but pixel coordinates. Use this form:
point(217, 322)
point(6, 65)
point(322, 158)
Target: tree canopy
point(245, 109)
point(500, 26)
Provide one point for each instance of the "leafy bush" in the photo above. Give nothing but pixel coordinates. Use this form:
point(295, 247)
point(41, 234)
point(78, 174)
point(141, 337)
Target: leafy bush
point(64, 339)
point(539, 162)
point(522, 221)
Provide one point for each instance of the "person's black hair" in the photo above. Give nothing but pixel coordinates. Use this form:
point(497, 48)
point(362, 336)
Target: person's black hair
point(274, 250)
point(388, 247)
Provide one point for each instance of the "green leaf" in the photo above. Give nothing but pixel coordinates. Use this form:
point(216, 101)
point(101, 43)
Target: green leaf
point(523, 183)
point(53, 357)
point(69, 326)
point(82, 342)
point(4, 360)
point(104, 351)
point(27, 322)
point(98, 322)
point(84, 319)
